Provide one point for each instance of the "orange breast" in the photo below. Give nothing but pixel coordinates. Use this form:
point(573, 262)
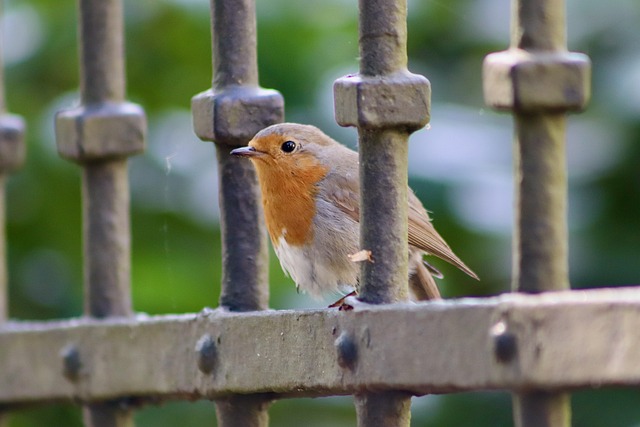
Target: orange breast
point(288, 198)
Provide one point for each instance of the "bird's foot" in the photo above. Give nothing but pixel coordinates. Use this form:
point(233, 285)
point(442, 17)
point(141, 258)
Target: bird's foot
point(346, 302)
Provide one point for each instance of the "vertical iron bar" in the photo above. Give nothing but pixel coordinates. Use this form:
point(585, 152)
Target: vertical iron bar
point(4, 296)
point(245, 265)
point(4, 303)
point(234, 43)
point(383, 160)
point(12, 153)
point(383, 215)
point(539, 81)
point(389, 409)
point(105, 191)
point(101, 51)
point(540, 240)
point(105, 187)
point(230, 114)
point(99, 135)
point(249, 411)
point(105, 181)
point(540, 237)
point(383, 154)
point(245, 254)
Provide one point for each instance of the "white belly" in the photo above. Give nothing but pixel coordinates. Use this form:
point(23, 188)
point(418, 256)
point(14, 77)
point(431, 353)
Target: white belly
point(312, 272)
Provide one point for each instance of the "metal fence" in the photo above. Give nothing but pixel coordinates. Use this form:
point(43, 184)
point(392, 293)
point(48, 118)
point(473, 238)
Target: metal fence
point(240, 355)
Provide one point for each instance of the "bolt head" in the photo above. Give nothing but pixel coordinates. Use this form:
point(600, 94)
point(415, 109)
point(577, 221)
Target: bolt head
point(537, 82)
point(71, 362)
point(207, 354)
point(233, 115)
point(505, 344)
point(12, 145)
point(347, 351)
point(96, 132)
point(399, 100)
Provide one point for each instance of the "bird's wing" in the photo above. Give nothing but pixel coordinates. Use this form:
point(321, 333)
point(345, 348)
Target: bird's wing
point(424, 236)
point(343, 193)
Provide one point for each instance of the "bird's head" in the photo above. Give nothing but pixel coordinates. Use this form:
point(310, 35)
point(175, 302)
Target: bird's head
point(290, 151)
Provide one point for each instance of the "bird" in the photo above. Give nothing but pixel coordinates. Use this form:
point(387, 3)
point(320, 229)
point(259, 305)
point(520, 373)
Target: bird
point(310, 186)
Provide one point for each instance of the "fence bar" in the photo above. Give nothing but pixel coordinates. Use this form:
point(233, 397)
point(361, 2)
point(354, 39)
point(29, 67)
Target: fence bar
point(230, 114)
point(12, 153)
point(99, 135)
point(519, 342)
point(386, 103)
point(539, 81)
point(249, 411)
point(384, 409)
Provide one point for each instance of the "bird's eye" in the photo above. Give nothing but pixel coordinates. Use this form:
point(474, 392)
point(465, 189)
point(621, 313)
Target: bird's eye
point(288, 146)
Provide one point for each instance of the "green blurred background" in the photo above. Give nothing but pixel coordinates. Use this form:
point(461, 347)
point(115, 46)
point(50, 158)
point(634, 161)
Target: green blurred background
point(461, 169)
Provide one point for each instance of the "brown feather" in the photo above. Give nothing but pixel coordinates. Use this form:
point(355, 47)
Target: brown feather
point(422, 234)
point(422, 284)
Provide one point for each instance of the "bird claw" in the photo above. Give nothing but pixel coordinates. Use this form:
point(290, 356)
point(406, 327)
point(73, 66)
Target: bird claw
point(342, 303)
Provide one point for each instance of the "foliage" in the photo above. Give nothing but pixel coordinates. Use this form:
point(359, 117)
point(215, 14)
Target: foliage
point(303, 47)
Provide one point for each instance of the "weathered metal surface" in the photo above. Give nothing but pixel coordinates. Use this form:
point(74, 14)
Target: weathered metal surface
point(400, 100)
point(524, 81)
point(243, 410)
point(236, 108)
point(230, 114)
point(100, 134)
point(12, 154)
point(542, 409)
point(386, 102)
point(388, 409)
point(245, 255)
point(107, 239)
point(12, 144)
point(4, 296)
point(422, 348)
point(383, 215)
point(233, 115)
point(537, 74)
point(540, 81)
point(107, 414)
point(541, 238)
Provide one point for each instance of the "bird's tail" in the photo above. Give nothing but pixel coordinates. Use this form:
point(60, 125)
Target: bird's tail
point(422, 284)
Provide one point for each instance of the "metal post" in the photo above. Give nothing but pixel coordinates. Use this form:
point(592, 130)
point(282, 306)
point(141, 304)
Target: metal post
point(539, 81)
point(230, 114)
point(386, 102)
point(12, 153)
point(100, 135)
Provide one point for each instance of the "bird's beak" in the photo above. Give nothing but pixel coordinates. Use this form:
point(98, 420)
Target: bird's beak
point(246, 152)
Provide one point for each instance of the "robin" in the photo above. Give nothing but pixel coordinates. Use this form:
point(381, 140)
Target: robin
point(310, 195)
